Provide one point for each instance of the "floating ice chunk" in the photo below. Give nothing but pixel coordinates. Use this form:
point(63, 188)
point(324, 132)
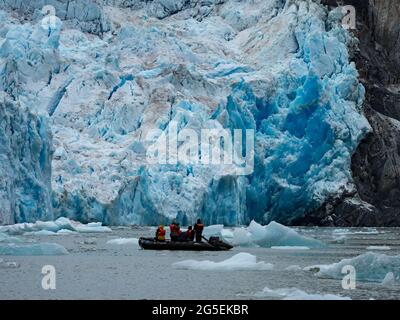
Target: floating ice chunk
point(37, 249)
point(92, 228)
point(65, 223)
point(378, 248)
point(122, 241)
point(369, 266)
point(53, 227)
point(272, 235)
point(243, 238)
point(296, 294)
point(294, 268)
point(389, 280)
point(290, 248)
point(240, 261)
point(213, 230)
point(8, 264)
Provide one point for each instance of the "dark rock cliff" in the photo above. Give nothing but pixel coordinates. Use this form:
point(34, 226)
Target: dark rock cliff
point(376, 163)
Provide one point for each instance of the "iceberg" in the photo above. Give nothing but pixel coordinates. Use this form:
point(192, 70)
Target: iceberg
point(369, 266)
point(240, 261)
point(37, 249)
point(295, 294)
point(273, 235)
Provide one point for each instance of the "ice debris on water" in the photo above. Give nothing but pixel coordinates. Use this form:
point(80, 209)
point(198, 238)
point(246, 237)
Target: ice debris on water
point(60, 226)
point(369, 266)
point(295, 294)
point(240, 261)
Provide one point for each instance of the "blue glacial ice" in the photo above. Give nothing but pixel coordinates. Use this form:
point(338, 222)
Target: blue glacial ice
point(104, 76)
point(369, 266)
point(36, 249)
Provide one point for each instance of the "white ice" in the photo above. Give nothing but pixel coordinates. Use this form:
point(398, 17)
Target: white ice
point(296, 294)
point(62, 225)
point(271, 235)
point(378, 248)
point(123, 241)
point(240, 261)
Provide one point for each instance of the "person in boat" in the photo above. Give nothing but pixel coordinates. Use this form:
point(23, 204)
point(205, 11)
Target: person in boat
point(175, 231)
point(190, 234)
point(160, 233)
point(198, 229)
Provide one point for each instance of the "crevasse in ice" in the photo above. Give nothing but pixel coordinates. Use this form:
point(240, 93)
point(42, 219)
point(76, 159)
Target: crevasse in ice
point(102, 80)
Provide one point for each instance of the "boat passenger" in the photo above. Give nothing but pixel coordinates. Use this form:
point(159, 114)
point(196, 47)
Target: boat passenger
point(175, 231)
point(198, 229)
point(190, 233)
point(160, 233)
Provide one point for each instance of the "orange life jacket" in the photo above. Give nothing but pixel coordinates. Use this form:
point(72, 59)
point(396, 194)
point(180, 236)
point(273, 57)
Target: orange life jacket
point(160, 234)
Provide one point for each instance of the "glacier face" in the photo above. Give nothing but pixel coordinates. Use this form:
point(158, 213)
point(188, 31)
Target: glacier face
point(278, 67)
point(25, 166)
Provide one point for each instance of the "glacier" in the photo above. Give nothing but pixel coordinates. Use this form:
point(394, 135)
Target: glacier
point(83, 93)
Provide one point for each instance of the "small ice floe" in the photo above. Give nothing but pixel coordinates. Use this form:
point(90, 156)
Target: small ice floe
point(37, 249)
point(271, 235)
point(367, 231)
point(339, 239)
point(290, 248)
point(389, 280)
point(295, 294)
point(123, 241)
point(4, 264)
point(294, 268)
point(60, 226)
point(240, 261)
point(378, 248)
point(369, 266)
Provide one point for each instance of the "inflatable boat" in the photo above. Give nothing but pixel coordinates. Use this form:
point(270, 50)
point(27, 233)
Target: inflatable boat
point(213, 244)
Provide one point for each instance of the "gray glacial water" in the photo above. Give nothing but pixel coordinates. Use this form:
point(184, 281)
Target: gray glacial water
point(95, 269)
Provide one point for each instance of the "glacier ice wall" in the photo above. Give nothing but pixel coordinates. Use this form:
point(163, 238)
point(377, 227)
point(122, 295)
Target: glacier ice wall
point(279, 67)
point(25, 166)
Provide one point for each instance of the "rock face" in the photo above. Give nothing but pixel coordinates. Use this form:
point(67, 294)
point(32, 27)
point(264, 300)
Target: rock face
point(376, 163)
point(25, 166)
point(107, 73)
